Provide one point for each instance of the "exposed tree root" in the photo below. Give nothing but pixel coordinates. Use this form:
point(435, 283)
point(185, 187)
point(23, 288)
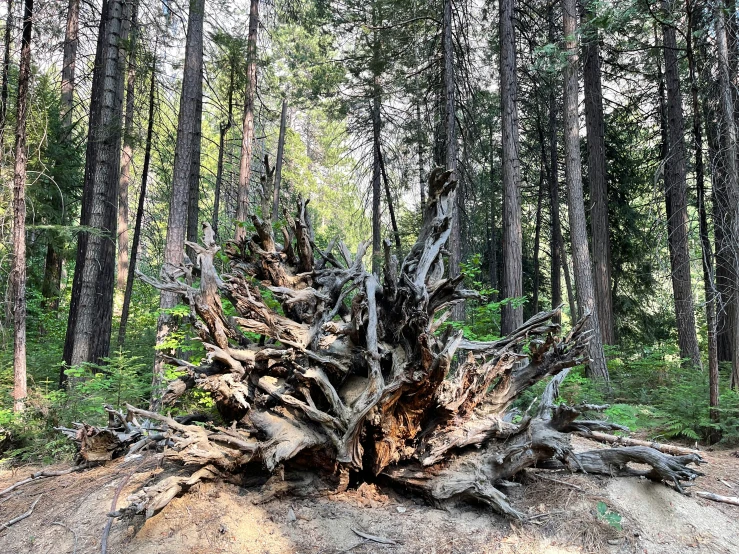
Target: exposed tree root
point(354, 373)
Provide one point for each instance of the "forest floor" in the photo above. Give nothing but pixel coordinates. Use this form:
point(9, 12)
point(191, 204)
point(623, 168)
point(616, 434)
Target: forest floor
point(223, 518)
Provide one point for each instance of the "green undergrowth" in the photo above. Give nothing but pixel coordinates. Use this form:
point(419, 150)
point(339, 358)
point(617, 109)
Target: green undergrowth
point(651, 392)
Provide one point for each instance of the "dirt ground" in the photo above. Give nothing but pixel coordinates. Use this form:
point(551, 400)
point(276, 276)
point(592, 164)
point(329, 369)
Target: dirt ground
point(71, 513)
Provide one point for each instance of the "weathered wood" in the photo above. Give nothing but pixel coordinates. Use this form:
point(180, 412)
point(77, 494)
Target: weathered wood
point(733, 500)
point(628, 441)
point(356, 374)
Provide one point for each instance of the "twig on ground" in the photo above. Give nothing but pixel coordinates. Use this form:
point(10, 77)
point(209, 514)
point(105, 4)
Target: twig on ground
point(733, 500)
point(374, 538)
point(41, 474)
point(74, 535)
point(560, 482)
point(22, 516)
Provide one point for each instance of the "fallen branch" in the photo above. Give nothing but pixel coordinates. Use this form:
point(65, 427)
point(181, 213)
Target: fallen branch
point(733, 500)
point(22, 516)
point(74, 535)
point(42, 474)
point(628, 441)
point(373, 538)
point(565, 483)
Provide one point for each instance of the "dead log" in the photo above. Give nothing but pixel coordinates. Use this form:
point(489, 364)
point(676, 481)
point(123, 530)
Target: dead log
point(357, 374)
point(628, 441)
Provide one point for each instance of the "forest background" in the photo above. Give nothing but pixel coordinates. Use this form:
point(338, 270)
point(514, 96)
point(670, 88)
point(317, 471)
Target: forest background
point(126, 124)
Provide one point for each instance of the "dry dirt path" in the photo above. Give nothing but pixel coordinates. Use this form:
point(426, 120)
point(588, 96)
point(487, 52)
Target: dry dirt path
point(70, 515)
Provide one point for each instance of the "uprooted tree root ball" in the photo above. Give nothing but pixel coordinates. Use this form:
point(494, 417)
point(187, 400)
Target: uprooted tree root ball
point(355, 374)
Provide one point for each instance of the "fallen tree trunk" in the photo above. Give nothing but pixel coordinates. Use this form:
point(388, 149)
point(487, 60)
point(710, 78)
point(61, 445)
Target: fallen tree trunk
point(353, 373)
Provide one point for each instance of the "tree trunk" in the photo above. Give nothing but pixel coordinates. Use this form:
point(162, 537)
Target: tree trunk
point(279, 161)
point(193, 202)
point(91, 307)
point(247, 142)
point(18, 270)
point(178, 206)
point(537, 238)
point(71, 40)
point(389, 199)
point(127, 155)
point(53, 268)
point(511, 317)
point(555, 229)
point(597, 178)
point(677, 202)
point(222, 146)
point(6, 71)
point(419, 154)
point(450, 128)
point(493, 242)
point(706, 250)
point(729, 152)
point(140, 208)
point(573, 175)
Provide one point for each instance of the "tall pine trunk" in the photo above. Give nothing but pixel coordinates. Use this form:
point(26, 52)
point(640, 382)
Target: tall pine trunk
point(222, 146)
point(450, 128)
point(573, 175)
point(187, 125)
point(6, 72)
point(706, 250)
point(193, 203)
point(278, 163)
point(91, 307)
point(127, 156)
point(555, 229)
point(51, 285)
point(677, 201)
point(376, 184)
point(140, 209)
point(597, 179)
point(18, 270)
point(247, 141)
point(511, 317)
point(728, 138)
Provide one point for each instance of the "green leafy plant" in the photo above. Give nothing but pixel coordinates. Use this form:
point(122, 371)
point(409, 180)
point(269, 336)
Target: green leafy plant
point(611, 517)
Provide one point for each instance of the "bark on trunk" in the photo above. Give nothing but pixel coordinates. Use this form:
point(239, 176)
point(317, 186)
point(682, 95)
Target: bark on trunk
point(511, 317)
point(450, 128)
point(376, 184)
point(247, 142)
point(389, 200)
point(193, 202)
point(677, 202)
point(178, 206)
point(537, 238)
point(729, 153)
point(573, 174)
point(555, 230)
point(706, 250)
point(597, 178)
point(55, 247)
point(6, 69)
point(222, 147)
point(419, 154)
point(18, 270)
point(279, 161)
point(91, 307)
point(127, 155)
point(140, 208)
